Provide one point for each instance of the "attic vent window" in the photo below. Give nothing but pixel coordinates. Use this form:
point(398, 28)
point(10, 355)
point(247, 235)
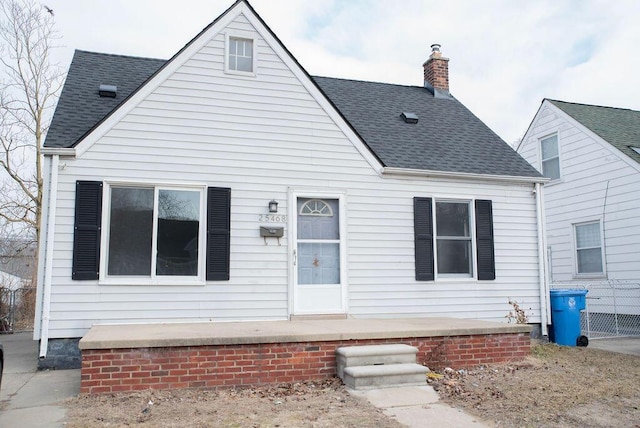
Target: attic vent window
point(409, 117)
point(108, 91)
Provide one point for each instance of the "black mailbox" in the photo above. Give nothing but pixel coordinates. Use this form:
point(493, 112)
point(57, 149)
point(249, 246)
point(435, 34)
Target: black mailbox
point(271, 232)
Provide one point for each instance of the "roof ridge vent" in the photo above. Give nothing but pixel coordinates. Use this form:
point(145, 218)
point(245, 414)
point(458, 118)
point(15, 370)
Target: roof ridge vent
point(409, 117)
point(107, 91)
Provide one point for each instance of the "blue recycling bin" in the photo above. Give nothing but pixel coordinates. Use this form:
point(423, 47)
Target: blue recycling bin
point(566, 305)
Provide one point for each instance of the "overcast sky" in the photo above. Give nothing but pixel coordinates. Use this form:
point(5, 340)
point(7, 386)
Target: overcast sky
point(505, 56)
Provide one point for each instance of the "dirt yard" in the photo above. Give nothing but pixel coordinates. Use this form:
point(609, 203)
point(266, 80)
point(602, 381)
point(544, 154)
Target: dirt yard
point(555, 387)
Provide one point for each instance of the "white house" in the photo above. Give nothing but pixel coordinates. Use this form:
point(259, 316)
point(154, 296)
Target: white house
point(11, 282)
point(591, 154)
point(228, 184)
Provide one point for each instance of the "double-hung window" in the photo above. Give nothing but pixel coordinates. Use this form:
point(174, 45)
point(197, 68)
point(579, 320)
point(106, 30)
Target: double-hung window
point(550, 156)
point(445, 244)
point(589, 246)
point(453, 238)
point(155, 231)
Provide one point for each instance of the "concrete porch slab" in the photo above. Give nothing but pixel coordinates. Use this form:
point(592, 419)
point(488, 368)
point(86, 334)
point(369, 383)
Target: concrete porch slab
point(119, 336)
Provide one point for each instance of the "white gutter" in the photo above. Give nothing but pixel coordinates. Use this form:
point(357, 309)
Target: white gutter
point(61, 151)
point(48, 268)
point(406, 172)
point(545, 309)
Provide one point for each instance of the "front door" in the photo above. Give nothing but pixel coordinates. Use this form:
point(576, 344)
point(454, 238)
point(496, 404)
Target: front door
point(318, 262)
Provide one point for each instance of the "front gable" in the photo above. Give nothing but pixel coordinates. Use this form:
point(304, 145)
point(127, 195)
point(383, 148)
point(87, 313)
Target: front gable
point(550, 120)
point(199, 76)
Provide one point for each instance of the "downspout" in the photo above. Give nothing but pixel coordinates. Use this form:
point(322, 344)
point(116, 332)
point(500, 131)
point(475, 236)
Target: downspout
point(542, 261)
point(48, 268)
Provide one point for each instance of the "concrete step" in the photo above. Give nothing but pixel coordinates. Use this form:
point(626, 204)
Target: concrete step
point(369, 355)
point(384, 376)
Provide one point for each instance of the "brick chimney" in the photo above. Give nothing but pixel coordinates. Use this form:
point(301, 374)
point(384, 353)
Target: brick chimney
point(436, 73)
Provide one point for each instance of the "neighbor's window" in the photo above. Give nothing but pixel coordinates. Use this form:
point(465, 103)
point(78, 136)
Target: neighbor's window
point(550, 157)
point(588, 248)
point(453, 238)
point(240, 54)
point(154, 231)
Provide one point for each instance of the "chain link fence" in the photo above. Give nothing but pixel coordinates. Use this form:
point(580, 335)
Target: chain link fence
point(612, 308)
point(17, 309)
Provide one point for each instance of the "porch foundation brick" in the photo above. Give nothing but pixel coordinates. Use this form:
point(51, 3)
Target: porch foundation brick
point(213, 366)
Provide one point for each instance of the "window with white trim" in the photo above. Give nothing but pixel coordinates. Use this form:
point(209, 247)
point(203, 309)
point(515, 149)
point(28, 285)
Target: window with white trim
point(550, 156)
point(445, 243)
point(240, 55)
point(588, 240)
point(154, 231)
point(453, 238)
point(154, 217)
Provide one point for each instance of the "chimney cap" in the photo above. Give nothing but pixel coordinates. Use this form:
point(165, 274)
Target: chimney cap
point(435, 47)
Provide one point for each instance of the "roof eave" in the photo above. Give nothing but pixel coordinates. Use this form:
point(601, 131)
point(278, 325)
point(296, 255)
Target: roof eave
point(415, 173)
point(60, 151)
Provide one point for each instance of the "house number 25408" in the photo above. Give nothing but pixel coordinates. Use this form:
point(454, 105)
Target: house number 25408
point(272, 218)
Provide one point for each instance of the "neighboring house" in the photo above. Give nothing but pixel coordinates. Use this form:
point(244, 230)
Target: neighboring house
point(17, 257)
point(591, 154)
point(11, 282)
point(228, 184)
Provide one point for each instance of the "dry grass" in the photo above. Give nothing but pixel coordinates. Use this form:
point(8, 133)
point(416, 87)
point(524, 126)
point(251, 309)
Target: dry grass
point(555, 387)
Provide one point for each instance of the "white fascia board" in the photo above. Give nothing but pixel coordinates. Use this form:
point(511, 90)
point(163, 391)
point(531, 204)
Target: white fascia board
point(313, 90)
point(168, 69)
point(416, 173)
point(604, 143)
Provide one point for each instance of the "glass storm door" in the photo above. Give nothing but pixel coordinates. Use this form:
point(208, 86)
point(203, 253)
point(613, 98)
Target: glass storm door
point(317, 270)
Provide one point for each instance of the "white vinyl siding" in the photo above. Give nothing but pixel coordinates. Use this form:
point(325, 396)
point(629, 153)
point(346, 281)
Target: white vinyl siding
point(598, 182)
point(260, 137)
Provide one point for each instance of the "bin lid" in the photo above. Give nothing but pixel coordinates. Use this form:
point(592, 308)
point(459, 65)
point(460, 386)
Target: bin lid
point(568, 292)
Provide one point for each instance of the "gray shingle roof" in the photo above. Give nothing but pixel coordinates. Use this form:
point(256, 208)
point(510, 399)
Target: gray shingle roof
point(618, 126)
point(80, 108)
point(447, 137)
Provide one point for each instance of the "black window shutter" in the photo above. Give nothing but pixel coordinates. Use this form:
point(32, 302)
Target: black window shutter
point(423, 231)
point(484, 236)
point(86, 233)
point(218, 227)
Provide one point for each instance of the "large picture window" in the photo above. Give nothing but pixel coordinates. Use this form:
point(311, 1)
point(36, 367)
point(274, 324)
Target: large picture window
point(588, 248)
point(151, 232)
point(154, 231)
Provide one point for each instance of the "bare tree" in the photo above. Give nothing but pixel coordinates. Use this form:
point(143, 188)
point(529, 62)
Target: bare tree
point(29, 85)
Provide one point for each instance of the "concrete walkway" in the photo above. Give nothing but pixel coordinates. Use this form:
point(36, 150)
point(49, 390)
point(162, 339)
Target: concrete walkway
point(31, 398)
point(417, 407)
point(622, 345)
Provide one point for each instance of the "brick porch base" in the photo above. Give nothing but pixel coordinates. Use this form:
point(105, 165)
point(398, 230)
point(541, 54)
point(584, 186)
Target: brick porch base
point(116, 369)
